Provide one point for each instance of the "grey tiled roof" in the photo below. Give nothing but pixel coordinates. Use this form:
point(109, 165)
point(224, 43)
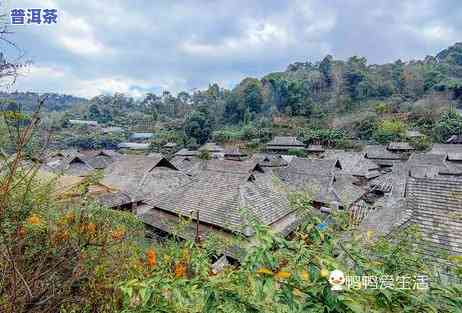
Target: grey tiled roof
point(135, 175)
point(186, 152)
point(380, 152)
point(186, 164)
point(219, 198)
point(211, 147)
point(446, 148)
point(436, 206)
point(355, 163)
point(285, 141)
point(270, 160)
point(400, 146)
point(315, 148)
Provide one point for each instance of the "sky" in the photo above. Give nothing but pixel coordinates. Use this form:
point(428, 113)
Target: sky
point(140, 46)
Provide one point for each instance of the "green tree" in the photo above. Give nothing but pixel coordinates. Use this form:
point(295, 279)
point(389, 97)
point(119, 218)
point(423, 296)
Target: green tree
point(450, 123)
point(197, 126)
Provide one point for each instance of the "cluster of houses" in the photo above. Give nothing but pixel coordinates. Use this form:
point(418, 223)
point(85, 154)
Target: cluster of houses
point(381, 187)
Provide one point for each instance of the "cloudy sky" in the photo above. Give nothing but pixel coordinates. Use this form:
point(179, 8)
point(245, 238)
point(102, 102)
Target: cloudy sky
point(138, 46)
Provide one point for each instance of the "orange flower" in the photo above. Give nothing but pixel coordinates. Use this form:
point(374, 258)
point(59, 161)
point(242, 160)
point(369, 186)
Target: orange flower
point(34, 219)
point(118, 234)
point(282, 275)
point(151, 257)
point(180, 270)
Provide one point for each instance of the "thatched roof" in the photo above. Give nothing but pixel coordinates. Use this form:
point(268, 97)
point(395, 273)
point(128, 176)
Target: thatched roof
point(220, 198)
point(436, 206)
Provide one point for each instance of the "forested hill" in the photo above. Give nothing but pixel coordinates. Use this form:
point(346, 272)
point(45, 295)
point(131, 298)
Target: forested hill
point(54, 102)
point(334, 85)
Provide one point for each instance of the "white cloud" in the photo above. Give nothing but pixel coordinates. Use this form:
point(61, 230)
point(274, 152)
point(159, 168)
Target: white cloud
point(256, 36)
point(83, 46)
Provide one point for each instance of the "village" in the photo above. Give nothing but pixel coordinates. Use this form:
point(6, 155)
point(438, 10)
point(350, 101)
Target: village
point(382, 188)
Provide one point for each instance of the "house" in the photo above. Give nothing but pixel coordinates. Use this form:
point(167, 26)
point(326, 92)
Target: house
point(68, 190)
point(212, 148)
point(138, 137)
point(315, 149)
point(382, 156)
point(400, 147)
point(270, 160)
point(134, 146)
point(436, 207)
point(413, 134)
point(143, 177)
point(187, 153)
point(112, 130)
point(186, 164)
point(222, 203)
point(170, 145)
point(446, 148)
point(82, 163)
point(282, 145)
point(318, 179)
point(83, 122)
point(355, 164)
point(234, 154)
point(455, 139)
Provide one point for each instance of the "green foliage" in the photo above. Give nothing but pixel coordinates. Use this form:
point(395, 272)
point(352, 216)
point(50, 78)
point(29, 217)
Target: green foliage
point(366, 127)
point(197, 126)
point(325, 136)
point(389, 130)
point(205, 155)
point(450, 123)
point(421, 143)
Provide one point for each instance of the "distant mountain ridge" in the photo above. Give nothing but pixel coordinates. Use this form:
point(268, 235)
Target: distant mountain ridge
point(54, 102)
